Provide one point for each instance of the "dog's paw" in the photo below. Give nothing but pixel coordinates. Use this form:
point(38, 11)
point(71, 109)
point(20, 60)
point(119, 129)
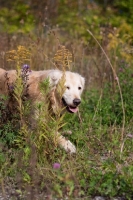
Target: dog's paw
point(66, 144)
point(69, 147)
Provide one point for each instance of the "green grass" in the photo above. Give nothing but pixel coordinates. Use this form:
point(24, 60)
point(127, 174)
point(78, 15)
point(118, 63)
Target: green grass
point(103, 162)
point(102, 165)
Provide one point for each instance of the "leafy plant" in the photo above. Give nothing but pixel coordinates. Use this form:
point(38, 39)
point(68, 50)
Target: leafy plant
point(17, 18)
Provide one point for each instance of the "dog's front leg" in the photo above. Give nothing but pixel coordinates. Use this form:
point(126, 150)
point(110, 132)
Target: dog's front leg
point(66, 144)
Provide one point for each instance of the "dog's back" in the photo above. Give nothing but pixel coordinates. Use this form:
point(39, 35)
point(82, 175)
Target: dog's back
point(6, 77)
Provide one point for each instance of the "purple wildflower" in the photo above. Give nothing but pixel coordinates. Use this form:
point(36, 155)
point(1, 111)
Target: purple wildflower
point(130, 135)
point(11, 87)
point(25, 67)
point(121, 69)
point(56, 166)
point(116, 78)
point(25, 73)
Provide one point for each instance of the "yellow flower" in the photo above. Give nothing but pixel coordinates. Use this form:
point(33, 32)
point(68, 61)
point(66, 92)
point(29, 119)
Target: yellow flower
point(20, 55)
point(63, 58)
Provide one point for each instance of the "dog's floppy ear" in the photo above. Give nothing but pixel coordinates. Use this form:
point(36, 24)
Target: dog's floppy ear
point(82, 81)
point(54, 77)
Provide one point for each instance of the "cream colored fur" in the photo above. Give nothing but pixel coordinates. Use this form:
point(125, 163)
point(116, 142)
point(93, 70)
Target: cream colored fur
point(74, 85)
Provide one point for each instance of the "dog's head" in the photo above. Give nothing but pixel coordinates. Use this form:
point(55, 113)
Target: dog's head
point(74, 85)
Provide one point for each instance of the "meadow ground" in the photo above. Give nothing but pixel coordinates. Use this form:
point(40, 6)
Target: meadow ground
point(30, 161)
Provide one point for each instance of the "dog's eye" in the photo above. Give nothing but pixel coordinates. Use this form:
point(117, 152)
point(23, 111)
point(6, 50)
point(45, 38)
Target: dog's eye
point(68, 87)
point(79, 88)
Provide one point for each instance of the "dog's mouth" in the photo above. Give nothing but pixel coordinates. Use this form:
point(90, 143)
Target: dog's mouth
point(71, 109)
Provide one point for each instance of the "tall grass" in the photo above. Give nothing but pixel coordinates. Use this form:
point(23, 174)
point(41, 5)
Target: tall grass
point(32, 165)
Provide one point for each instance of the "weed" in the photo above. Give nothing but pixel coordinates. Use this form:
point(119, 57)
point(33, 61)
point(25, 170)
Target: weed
point(29, 156)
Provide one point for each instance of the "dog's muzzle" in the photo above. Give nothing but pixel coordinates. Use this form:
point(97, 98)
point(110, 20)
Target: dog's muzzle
point(76, 102)
point(72, 109)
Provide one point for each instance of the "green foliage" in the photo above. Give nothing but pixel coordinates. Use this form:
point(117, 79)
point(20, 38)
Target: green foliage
point(105, 106)
point(125, 9)
point(77, 23)
point(126, 81)
point(103, 163)
point(7, 134)
point(97, 169)
point(2, 107)
point(44, 86)
point(99, 18)
point(16, 19)
point(110, 183)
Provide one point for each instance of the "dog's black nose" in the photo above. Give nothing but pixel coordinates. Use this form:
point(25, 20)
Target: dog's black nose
point(76, 102)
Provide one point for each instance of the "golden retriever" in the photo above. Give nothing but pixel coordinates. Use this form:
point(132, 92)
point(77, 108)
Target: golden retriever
point(71, 98)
